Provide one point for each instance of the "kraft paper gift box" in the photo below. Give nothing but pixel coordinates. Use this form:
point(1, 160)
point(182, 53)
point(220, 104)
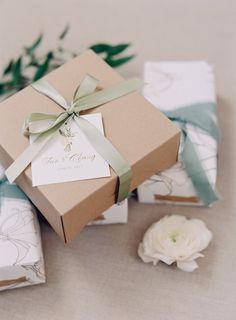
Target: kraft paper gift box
point(172, 85)
point(129, 123)
point(21, 258)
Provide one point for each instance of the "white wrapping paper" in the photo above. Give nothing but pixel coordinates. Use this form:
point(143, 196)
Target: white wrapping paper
point(171, 85)
point(118, 213)
point(21, 257)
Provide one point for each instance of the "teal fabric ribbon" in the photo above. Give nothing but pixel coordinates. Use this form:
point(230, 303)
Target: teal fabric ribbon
point(85, 98)
point(10, 190)
point(201, 115)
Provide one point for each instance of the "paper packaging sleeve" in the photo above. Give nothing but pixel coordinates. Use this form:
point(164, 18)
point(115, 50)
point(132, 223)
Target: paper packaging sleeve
point(21, 262)
point(130, 123)
point(172, 85)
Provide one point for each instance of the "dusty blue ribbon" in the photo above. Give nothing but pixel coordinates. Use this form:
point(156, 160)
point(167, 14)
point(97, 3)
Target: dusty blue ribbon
point(8, 190)
point(201, 115)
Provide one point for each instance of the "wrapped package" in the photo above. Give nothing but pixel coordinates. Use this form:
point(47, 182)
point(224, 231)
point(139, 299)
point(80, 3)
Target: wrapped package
point(127, 123)
point(185, 92)
point(21, 257)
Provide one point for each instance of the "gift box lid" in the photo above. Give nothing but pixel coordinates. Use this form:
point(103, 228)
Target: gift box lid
point(142, 134)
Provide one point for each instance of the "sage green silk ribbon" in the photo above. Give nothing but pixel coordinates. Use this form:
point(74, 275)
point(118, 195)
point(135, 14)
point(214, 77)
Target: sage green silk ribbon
point(84, 98)
point(201, 115)
point(10, 190)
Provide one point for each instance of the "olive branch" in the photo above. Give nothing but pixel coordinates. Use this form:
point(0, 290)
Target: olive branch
point(30, 66)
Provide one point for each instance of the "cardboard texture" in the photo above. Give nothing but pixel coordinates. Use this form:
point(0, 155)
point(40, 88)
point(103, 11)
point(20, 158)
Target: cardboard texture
point(144, 136)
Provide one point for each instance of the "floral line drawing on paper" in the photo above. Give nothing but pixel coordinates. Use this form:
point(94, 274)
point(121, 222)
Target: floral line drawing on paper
point(13, 228)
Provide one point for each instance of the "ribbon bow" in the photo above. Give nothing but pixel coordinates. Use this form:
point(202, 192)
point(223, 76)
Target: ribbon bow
point(84, 98)
point(201, 115)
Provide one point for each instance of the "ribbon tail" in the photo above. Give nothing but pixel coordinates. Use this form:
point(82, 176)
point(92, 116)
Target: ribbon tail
point(110, 154)
point(86, 87)
point(46, 89)
point(197, 174)
point(10, 190)
point(25, 158)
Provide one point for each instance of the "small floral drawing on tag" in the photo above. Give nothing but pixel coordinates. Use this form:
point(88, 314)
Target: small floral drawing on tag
point(66, 138)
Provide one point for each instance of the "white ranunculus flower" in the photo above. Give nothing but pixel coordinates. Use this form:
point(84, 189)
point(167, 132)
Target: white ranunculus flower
point(175, 239)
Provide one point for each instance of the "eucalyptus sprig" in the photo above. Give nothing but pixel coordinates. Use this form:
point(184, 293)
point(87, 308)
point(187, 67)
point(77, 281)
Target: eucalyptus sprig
point(30, 66)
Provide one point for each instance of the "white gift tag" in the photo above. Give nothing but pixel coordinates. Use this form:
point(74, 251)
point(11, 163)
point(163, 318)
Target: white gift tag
point(69, 156)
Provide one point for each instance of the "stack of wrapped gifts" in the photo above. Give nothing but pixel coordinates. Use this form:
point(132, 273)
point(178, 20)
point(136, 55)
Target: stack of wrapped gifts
point(89, 139)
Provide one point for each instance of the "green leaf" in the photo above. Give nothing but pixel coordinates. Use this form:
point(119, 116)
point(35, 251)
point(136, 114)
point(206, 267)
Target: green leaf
point(109, 49)
point(37, 42)
point(64, 32)
point(2, 88)
point(9, 67)
point(43, 68)
point(6, 87)
point(100, 47)
point(42, 64)
point(118, 62)
point(114, 50)
point(16, 72)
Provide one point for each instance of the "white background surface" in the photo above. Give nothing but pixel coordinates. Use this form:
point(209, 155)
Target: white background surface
point(99, 276)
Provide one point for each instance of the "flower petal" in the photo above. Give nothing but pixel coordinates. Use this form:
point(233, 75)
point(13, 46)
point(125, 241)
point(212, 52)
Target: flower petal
point(187, 266)
point(145, 257)
point(203, 233)
point(166, 259)
point(195, 256)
